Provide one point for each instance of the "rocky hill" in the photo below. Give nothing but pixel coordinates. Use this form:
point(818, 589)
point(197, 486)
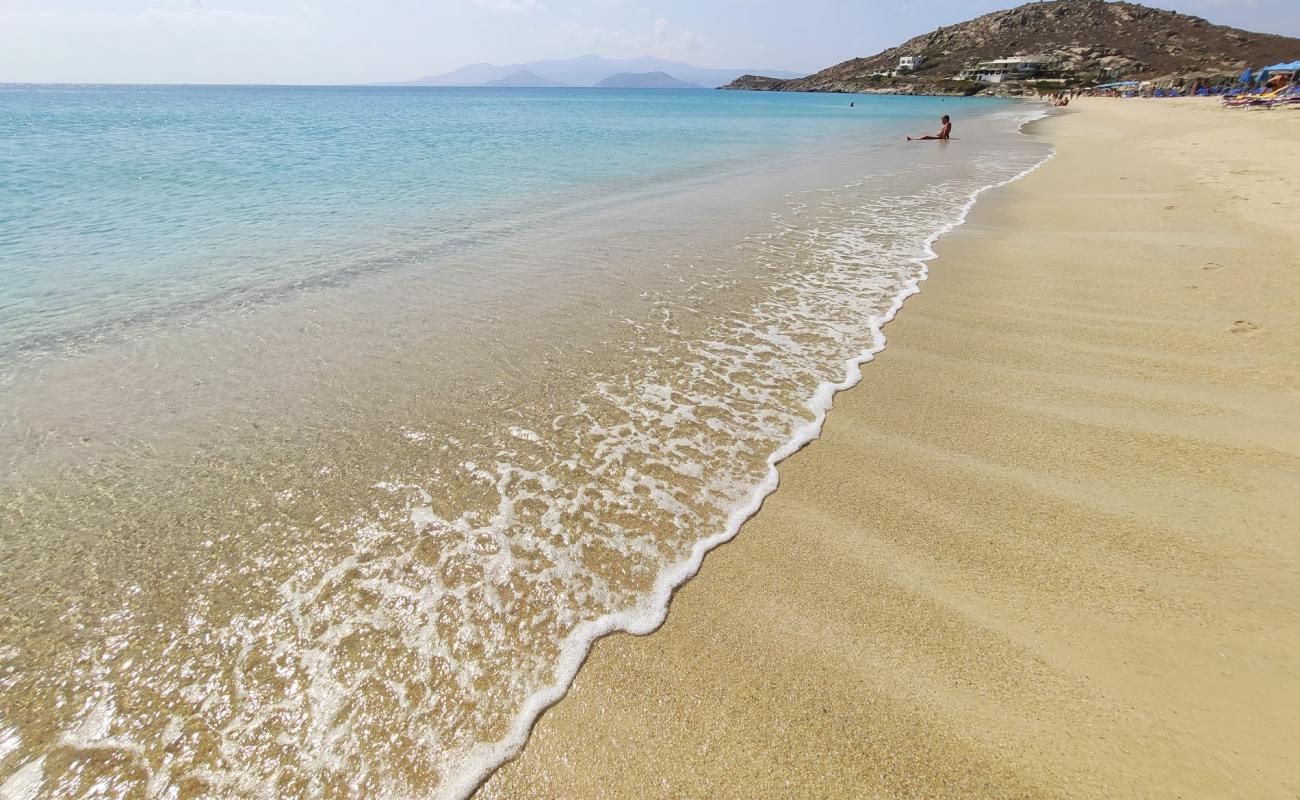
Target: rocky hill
point(1089, 38)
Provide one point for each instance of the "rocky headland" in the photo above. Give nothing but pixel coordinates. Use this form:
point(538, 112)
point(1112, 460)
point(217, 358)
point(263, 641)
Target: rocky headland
point(1087, 40)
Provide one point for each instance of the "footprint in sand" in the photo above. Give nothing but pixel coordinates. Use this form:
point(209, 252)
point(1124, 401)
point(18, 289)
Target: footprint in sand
point(1243, 326)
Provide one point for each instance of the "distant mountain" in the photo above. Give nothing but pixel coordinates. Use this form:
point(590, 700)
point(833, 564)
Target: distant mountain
point(522, 78)
point(1090, 38)
point(590, 70)
point(645, 80)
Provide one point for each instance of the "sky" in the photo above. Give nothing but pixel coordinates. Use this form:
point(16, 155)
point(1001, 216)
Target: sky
point(360, 41)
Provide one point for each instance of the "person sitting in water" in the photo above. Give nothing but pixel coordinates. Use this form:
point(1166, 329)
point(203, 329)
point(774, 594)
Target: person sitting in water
point(945, 131)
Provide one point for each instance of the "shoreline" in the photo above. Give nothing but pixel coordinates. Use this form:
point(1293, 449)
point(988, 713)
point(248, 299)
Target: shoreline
point(630, 684)
point(414, 499)
point(651, 616)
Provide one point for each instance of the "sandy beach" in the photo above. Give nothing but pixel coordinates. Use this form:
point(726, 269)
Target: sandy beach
point(1048, 546)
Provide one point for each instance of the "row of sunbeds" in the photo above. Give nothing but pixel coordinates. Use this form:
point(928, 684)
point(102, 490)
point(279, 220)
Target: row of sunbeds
point(1284, 97)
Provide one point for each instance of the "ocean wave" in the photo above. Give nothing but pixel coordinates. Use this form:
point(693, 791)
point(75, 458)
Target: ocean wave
point(412, 656)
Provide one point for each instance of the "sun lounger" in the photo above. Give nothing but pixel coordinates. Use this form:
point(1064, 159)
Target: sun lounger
point(1254, 100)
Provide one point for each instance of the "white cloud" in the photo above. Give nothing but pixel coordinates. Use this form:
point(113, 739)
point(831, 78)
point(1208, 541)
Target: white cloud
point(662, 39)
point(511, 6)
point(179, 11)
point(158, 42)
point(666, 38)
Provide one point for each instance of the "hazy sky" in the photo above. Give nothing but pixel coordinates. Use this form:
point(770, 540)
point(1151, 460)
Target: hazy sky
point(347, 41)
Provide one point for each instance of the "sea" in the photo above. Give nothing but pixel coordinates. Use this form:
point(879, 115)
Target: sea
point(337, 423)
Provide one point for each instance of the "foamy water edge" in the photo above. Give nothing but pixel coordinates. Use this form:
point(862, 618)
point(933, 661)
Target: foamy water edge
point(485, 759)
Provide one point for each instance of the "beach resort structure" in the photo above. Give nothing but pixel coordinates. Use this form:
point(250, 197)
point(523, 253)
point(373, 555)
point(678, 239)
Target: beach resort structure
point(1008, 69)
point(910, 63)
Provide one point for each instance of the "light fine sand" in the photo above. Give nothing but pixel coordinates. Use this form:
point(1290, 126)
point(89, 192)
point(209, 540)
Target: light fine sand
point(1050, 546)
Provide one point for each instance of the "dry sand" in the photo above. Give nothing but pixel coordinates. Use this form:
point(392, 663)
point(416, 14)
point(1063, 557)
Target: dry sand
point(1050, 546)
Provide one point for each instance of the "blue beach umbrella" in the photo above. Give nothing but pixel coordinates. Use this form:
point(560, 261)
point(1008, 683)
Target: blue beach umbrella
point(1245, 76)
point(1287, 66)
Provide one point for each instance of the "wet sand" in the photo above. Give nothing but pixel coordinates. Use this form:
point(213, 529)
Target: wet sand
point(1048, 547)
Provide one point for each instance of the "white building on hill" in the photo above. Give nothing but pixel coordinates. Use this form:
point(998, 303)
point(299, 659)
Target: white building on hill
point(998, 70)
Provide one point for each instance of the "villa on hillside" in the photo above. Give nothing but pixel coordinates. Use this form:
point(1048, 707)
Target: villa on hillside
point(1016, 68)
point(910, 63)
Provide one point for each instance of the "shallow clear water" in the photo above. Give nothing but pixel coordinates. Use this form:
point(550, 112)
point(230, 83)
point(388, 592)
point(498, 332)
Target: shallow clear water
point(339, 421)
point(124, 205)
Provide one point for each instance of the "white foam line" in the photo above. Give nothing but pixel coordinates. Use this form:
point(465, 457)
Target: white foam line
point(485, 759)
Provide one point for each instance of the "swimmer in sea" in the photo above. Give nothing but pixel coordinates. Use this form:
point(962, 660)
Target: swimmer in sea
point(945, 131)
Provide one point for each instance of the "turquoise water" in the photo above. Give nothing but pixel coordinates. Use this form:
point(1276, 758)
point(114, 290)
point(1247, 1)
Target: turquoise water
point(126, 205)
point(337, 423)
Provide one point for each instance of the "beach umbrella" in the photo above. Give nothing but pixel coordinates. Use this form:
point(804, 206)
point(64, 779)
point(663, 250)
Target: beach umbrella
point(1245, 76)
point(1286, 66)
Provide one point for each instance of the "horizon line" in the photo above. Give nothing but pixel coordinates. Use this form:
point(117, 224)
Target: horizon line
point(380, 85)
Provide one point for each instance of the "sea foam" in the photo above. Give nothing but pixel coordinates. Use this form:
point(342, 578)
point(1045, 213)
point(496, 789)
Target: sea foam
point(446, 612)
